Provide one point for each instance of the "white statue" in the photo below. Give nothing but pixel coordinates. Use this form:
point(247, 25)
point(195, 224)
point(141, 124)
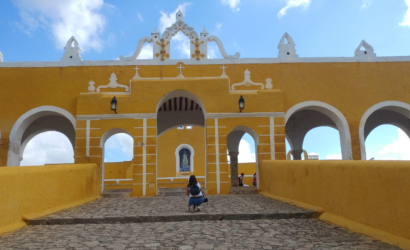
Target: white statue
point(185, 162)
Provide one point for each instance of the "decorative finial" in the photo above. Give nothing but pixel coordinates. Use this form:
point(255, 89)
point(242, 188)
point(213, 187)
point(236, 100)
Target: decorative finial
point(180, 16)
point(72, 50)
point(287, 48)
point(204, 31)
point(91, 86)
point(155, 31)
point(367, 53)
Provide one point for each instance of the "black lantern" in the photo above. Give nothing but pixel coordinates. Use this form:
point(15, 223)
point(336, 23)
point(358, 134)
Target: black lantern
point(114, 105)
point(241, 104)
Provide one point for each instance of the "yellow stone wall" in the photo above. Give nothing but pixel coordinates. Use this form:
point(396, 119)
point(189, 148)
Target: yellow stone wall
point(371, 193)
point(118, 170)
point(31, 192)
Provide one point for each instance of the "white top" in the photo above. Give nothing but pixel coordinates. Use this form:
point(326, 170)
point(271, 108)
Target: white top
point(198, 195)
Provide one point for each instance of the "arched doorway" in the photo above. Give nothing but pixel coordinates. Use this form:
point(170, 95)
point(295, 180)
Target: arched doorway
point(34, 122)
point(180, 131)
point(389, 112)
point(115, 165)
point(233, 140)
point(303, 117)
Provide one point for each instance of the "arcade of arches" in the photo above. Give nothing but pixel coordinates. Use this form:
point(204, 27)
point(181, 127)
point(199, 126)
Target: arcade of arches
point(183, 115)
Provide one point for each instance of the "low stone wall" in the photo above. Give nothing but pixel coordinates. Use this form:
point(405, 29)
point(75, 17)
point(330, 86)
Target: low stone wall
point(371, 197)
point(30, 192)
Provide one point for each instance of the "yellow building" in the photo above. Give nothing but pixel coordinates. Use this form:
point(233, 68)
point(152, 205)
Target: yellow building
point(284, 97)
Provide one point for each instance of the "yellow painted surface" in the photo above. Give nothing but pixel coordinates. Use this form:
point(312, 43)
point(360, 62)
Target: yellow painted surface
point(168, 143)
point(118, 170)
point(372, 193)
point(29, 192)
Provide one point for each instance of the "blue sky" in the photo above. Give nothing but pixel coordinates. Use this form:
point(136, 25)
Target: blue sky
point(37, 30)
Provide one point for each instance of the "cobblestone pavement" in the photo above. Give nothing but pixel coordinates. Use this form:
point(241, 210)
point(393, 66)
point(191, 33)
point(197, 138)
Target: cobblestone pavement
point(176, 205)
point(251, 234)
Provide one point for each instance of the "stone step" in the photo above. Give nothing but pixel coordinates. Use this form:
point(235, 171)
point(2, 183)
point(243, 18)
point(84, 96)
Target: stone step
point(172, 218)
point(117, 193)
point(174, 191)
point(243, 190)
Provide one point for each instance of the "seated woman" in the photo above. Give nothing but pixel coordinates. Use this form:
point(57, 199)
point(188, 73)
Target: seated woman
point(194, 191)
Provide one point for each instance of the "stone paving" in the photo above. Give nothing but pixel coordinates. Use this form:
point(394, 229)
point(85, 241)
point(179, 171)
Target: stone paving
point(174, 208)
point(244, 234)
point(224, 233)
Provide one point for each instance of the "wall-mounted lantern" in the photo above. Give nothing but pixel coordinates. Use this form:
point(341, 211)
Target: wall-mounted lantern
point(114, 105)
point(241, 104)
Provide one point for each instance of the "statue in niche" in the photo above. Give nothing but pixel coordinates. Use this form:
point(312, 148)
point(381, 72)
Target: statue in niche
point(184, 156)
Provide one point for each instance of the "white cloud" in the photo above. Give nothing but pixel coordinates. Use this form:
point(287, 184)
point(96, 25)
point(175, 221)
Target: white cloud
point(334, 157)
point(401, 147)
point(233, 4)
point(366, 4)
point(140, 17)
point(218, 26)
point(406, 21)
point(245, 154)
point(122, 142)
point(146, 52)
point(313, 153)
point(65, 18)
point(211, 53)
point(293, 4)
point(48, 148)
point(179, 41)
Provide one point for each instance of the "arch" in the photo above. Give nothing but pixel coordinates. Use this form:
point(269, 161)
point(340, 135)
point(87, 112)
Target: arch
point(177, 156)
point(233, 139)
point(31, 120)
point(334, 118)
point(104, 139)
point(396, 110)
point(169, 120)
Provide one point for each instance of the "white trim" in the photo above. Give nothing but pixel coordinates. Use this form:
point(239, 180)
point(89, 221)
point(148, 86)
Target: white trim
point(202, 62)
point(117, 116)
point(272, 138)
point(370, 111)
point(87, 142)
point(144, 158)
point(335, 115)
point(22, 123)
point(177, 165)
point(237, 115)
point(218, 188)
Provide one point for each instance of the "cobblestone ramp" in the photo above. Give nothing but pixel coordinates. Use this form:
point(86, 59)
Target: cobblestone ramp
point(171, 209)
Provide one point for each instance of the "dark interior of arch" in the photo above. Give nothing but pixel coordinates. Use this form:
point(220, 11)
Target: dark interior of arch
point(390, 117)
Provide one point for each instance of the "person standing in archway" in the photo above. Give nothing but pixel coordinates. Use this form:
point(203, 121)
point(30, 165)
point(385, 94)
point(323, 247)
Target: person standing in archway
point(194, 190)
point(254, 180)
point(240, 179)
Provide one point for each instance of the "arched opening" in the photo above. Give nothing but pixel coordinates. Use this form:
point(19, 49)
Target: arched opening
point(387, 142)
point(180, 46)
point(180, 130)
point(322, 143)
point(239, 140)
point(35, 122)
point(117, 153)
point(303, 117)
point(47, 148)
point(385, 113)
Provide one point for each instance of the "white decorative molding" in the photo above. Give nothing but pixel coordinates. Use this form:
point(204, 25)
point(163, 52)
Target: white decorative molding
point(117, 116)
point(268, 84)
point(367, 53)
point(136, 76)
point(287, 50)
point(113, 84)
point(180, 72)
point(178, 161)
point(1, 57)
point(222, 49)
point(247, 81)
point(91, 87)
point(72, 53)
point(237, 115)
point(137, 51)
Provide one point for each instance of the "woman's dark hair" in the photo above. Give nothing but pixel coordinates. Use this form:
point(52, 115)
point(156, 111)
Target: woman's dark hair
point(192, 180)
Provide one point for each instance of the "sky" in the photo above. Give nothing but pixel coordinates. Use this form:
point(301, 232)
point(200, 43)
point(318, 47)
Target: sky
point(37, 30)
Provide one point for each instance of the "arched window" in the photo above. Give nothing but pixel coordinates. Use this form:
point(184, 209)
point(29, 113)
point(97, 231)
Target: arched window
point(184, 155)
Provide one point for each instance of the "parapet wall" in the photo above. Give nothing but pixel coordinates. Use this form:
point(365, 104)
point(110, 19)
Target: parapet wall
point(372, 193)
point(28, 192)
